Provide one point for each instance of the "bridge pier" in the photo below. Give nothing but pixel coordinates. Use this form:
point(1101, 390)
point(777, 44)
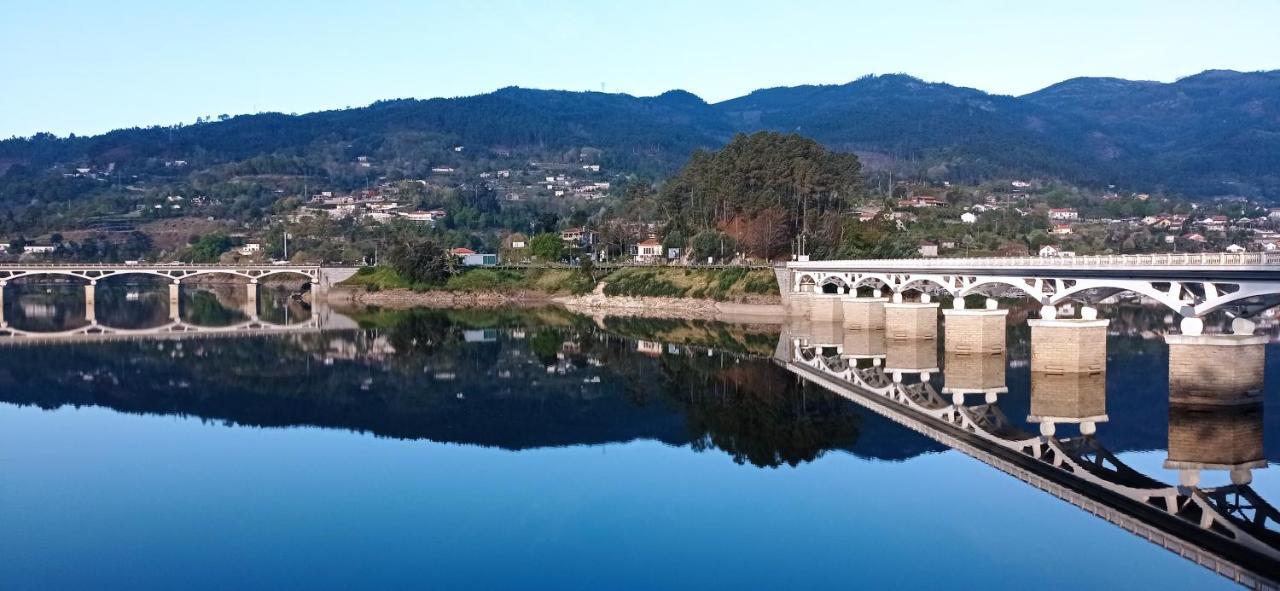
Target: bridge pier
point(3, 321)
point(1068, 373)
point(974, 352)
point(911, 320)
point(863, 314)
point(90, 302)
point(251, 300)
point(1216, 369)
point(175, 301)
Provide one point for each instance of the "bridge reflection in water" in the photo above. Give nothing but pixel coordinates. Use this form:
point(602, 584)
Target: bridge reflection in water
point(1215, 419)
point(50, 313)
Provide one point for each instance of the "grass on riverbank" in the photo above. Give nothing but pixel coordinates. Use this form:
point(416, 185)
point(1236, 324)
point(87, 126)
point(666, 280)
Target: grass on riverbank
point(476, 280)
point(727, 284)
point(674, 282)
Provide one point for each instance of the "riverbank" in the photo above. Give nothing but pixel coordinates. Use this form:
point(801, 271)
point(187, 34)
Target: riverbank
point(670, 292)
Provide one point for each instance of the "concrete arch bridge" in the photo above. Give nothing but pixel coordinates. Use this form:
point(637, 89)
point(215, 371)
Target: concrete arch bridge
point(1192, 285)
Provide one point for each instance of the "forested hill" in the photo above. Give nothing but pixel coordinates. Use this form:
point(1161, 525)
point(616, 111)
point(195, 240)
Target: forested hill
point(1214, 133)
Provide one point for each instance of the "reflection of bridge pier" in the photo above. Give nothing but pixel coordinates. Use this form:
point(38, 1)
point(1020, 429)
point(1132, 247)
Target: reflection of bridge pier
point(826, 307)
point(974, 346)
point(1068, 372)
point(1229, 529)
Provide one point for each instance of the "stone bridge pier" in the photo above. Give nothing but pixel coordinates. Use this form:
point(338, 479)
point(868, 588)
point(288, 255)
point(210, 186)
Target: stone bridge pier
point(863, 314)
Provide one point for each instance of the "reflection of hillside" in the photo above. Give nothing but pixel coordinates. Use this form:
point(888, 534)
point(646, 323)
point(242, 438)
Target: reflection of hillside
point(532, 378)
point(444, 377)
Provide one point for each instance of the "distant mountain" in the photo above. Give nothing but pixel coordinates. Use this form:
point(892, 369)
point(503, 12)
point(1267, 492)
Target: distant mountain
point(1214, 133)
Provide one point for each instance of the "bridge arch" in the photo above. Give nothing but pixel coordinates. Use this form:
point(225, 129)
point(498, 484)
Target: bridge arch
point(1020, 286)
point(919, 283)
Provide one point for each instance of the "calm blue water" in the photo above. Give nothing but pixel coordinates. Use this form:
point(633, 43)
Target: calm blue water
point(529, 450)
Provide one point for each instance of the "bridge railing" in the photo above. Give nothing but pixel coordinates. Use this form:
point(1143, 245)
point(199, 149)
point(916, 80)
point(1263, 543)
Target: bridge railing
point(151, 266)
point(1177, 260)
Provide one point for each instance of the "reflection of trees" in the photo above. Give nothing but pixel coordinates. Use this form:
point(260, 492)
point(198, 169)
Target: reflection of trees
point(757, 413)
point(277, 305)
point(401, 376)
point(204, 309)
point(114, 308)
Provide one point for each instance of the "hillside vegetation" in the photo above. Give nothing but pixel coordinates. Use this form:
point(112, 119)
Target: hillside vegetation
point(1213, 133)
point(726, 284)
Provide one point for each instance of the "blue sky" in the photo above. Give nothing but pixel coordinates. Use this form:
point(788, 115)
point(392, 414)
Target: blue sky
point(87, 67)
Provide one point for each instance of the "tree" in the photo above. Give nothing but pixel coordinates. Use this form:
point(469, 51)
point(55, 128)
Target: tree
point(208, 248)
point(764, 189)
point(421, 261)
point(547, 246)
point(711, 244)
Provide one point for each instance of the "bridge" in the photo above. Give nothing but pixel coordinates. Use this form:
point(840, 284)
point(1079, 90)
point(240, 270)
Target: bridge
point(1192, 285)
point(1215, 422)
point(319, 277)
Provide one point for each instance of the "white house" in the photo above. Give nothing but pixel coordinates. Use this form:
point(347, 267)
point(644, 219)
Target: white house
point(648, 251)
point(1063, 213)
point(1235, 248)
point(1048, 250)
point(968, 218)
point(250, 248)
point(38, 249)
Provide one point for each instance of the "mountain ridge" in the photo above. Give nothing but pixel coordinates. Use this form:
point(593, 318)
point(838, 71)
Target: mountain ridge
point(1212, 133)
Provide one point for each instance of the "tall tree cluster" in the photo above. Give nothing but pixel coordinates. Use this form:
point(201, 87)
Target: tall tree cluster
point(764, 190)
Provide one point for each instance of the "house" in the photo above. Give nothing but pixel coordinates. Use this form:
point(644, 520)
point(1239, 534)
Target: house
point(968, 218)
point(1049, 250)
point(1235, 248)
point(1021, 184)
point(515, 241)
point(650, 348)
point(442, 169)
point(461, 251)
point(866, 214)
point(1217, 223)
point(424, 216)
point(578, 236)
point(648, 251)
point(1197, 238)
point(921, 201)
point(1063, 213)
point(591, 167)
point(38, 249)
point(1061, 229)
point(250, 248)
point(928, 249)
point(478, 259)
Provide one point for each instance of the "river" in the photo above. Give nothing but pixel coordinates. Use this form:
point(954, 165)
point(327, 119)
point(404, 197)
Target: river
point(535, 448)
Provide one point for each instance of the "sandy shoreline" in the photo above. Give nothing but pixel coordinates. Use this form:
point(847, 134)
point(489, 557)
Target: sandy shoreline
point(762, 310)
